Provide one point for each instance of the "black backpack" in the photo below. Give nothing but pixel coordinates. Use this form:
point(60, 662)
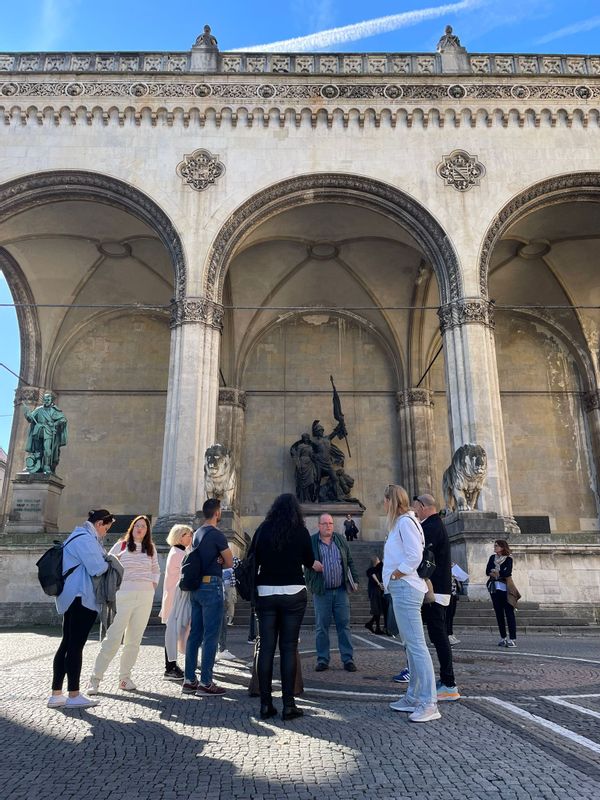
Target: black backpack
point(192, 569)
point(50, 568)
point(427, 566)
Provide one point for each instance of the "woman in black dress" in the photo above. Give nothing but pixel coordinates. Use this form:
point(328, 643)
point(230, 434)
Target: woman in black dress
point(376, 600)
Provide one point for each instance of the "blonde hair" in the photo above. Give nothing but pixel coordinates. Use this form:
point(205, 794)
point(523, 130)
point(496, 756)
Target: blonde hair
point(398, 503)
point(176, 534)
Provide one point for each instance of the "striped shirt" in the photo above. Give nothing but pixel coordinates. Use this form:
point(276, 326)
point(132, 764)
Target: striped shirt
point(331, 558)
point(141, 571)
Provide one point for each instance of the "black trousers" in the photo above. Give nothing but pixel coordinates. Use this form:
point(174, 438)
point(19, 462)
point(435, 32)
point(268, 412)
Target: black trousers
point(77, 624)
point(434, 616)
point(450, 612)
point(503, 608)
point(279, 618)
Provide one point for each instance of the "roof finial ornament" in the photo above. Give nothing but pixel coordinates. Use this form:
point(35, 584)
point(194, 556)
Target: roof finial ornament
point(206, 39)
point(449, 40)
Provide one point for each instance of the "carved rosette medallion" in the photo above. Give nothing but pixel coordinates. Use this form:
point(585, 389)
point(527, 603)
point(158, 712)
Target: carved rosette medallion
point(197, 309)
point(229, 396)
point(413, 397)
point(591, 400)
point(200, 169)
point(461, 170)
point(462, 312)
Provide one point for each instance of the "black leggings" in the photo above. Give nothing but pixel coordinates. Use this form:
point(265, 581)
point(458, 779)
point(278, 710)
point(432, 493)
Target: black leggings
point(279, 617)
point(77, 624)
point(502, 607)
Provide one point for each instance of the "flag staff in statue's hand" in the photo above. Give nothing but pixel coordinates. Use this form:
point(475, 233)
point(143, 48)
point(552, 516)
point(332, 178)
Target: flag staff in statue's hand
point(339, 416)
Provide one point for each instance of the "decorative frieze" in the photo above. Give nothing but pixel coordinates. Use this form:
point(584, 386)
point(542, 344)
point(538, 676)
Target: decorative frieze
point(197, 309)
point(414, 397)
point(228, 396)
point(200, 169)
point(591, 400)
point(465, 311)
point(461, 170)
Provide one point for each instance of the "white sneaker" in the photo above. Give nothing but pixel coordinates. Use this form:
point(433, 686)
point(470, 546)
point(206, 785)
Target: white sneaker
point(81, 701)
point(56, 701)
point(511, 643)
point(225, 655)
point(93, 687)
point(453, 640)
point(425, 714)
point(403, 705)
point(127, 685)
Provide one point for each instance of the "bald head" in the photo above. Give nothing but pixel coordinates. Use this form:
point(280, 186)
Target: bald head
point(424, 506)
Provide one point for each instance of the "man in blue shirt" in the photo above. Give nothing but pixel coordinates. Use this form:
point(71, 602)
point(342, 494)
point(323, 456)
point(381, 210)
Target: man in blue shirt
point(207, 603)
point(330, 593)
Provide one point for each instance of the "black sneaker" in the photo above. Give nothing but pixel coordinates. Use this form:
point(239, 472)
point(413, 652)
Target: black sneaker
point(350, 666)
point(321, 666)
point(175, 674)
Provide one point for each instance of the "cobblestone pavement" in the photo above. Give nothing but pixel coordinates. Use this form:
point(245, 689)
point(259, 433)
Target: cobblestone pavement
point(528, 726)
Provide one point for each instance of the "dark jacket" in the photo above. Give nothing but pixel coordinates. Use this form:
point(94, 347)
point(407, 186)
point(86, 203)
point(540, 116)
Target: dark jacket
point(436, 537)
point(282, 567)
point(506, 568)
point(315, 580)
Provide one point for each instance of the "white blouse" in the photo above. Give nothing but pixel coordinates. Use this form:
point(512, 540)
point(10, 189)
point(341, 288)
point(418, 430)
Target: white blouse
point(403, 551)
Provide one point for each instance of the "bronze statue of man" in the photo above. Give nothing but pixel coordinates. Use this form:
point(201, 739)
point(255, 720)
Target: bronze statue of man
point(327, 456)
point(47, 434)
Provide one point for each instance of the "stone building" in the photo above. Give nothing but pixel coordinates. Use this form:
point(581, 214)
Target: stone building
point(198, 239)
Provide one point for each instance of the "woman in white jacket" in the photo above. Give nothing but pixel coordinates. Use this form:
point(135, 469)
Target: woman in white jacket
point(402, 554)
point(180, 538)
point(137, 554)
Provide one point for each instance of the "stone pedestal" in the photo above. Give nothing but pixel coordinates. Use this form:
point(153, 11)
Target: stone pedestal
point(472, 535)
point(35, 503)
point(312, 512)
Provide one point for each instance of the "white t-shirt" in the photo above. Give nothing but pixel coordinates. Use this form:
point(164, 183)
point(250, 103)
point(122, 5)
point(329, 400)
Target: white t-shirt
point(403, 551)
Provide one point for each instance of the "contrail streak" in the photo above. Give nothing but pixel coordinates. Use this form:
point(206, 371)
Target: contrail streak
point(577, 27)
point(361, 30)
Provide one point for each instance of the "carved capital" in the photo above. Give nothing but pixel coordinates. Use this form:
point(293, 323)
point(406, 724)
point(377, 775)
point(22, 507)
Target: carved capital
point(229, 396)
point(413, 397)
point(200, 169)
point(197, 309)
point(465, 311)
point(30, 395)
point(591, 400)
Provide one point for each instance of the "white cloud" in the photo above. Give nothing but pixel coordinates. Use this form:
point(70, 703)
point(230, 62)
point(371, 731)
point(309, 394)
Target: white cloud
point(569, 30)
point(362, 30)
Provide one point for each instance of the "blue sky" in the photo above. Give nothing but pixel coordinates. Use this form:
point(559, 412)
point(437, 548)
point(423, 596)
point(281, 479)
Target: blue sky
point(546, 26)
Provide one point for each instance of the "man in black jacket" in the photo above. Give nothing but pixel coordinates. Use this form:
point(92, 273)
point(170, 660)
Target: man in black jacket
point(434, 614)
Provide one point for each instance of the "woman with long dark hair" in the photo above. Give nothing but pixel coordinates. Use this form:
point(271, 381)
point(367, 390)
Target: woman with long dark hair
point(282, 546)
point(141, 573)
point(499, 568)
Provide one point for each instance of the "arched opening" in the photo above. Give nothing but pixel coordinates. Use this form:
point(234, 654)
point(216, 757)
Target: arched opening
point(540, 261)
point(101, 263)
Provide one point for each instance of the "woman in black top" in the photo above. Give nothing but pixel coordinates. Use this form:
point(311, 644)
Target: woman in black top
point(375, 592)
point(282, 545)
point(499, 568)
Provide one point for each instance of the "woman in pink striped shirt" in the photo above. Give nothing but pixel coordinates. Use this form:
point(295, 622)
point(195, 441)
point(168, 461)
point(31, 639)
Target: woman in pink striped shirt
point(137, 554)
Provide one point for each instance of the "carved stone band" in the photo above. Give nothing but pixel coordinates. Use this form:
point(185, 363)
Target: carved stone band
point(466, 311)
point(591, 400)
point(197, 309)
point(413, 397)
point(232, 397)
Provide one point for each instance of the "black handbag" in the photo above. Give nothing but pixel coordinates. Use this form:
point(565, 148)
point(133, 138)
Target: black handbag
point(427, 566)
point(245, 572)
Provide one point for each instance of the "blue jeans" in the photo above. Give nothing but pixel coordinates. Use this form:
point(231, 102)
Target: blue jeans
point(207, 613)
point(407, 603)
point(334, 603)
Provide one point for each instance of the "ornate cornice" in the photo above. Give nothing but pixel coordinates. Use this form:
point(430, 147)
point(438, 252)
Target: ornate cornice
point(31, 191)
point(466, 311)
point(229, 396)
point(574, 187)
point(337, 187)
point(197, 310)
point(591, 400)
point(414, 397)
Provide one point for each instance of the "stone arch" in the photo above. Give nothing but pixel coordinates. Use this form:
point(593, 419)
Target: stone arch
point(27, 319)
point(344, 188)
point(551, 191)
point(26, 192)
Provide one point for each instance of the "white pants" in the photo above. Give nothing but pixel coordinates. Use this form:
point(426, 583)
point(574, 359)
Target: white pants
point(133, 613)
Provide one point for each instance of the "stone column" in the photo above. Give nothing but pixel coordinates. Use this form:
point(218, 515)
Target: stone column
point(591, 404)
point(474, 408)
point(417, 445)
point(190, 424)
